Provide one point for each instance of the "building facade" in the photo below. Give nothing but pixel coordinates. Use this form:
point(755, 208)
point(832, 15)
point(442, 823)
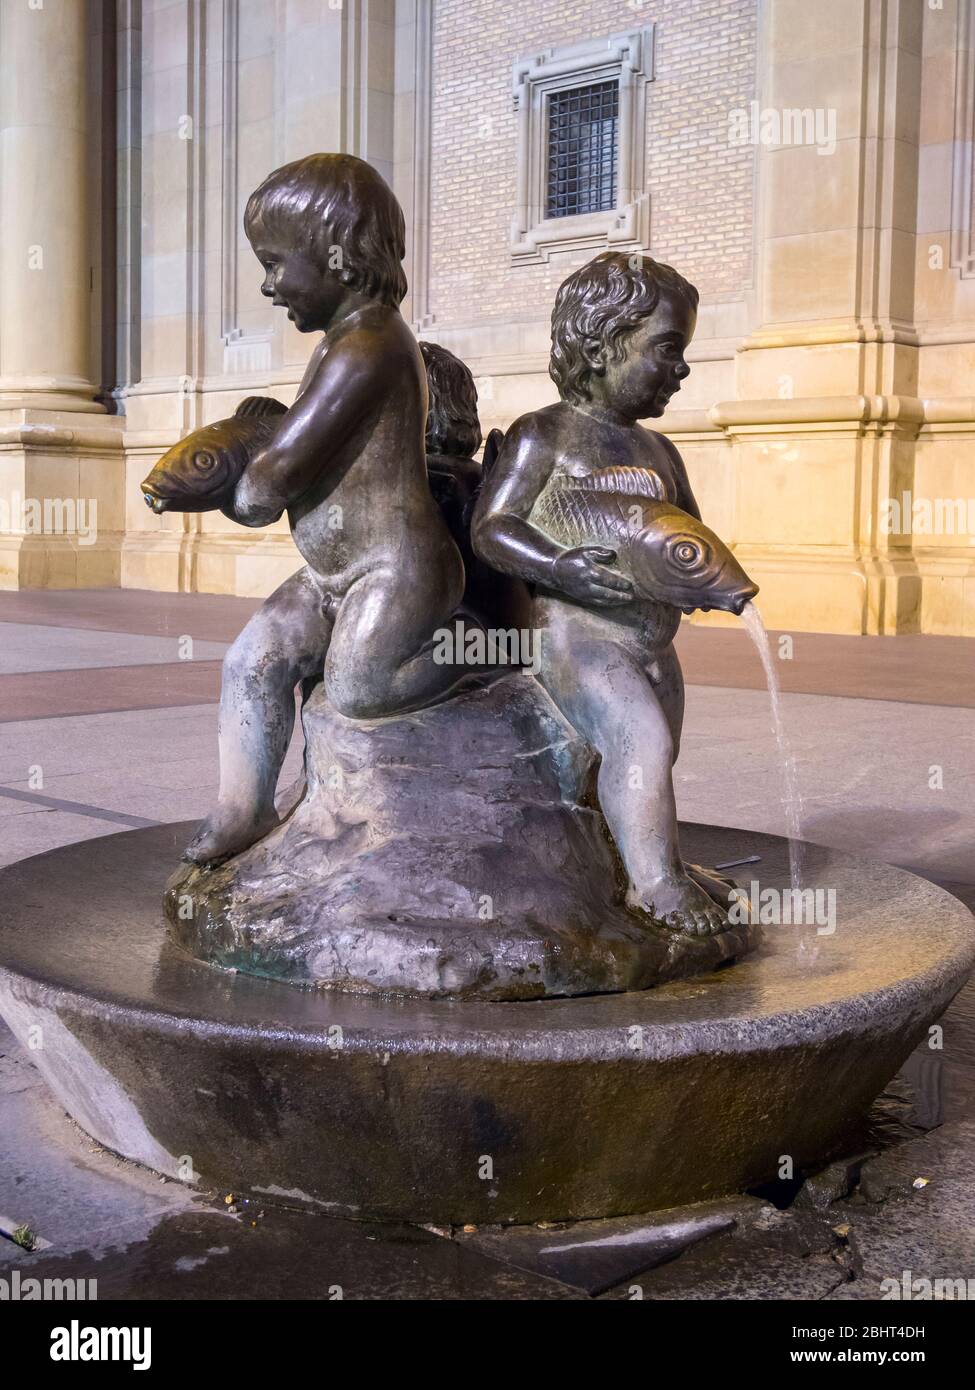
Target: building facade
point(808, 167)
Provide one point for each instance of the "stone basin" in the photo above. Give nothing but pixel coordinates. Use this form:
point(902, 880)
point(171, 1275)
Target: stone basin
point(450, 1111)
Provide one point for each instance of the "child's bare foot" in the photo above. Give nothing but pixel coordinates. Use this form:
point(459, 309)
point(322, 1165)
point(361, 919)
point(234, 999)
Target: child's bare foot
point(227, 831)
point(716, 885)
point(679, 903)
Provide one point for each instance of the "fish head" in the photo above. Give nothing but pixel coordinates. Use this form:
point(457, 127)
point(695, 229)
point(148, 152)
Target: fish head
point(198, 473)
point(676, 559)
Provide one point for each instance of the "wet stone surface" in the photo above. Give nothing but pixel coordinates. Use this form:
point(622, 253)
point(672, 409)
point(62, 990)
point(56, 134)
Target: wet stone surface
point(140, 1237)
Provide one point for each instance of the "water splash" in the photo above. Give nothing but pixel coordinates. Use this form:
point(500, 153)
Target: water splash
point(792, 800)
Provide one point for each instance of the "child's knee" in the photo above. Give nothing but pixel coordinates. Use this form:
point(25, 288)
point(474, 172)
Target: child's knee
point(356, 690)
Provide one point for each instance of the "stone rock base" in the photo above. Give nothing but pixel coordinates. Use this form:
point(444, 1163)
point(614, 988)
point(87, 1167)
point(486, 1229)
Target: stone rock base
point(457, 852)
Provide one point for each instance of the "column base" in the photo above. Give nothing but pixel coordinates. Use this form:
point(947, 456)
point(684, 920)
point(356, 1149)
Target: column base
point(62, 498)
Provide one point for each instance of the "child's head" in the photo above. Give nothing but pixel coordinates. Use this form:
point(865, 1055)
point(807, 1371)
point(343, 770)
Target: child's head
point(452, 424)
point(335, 216)
point(622, 309)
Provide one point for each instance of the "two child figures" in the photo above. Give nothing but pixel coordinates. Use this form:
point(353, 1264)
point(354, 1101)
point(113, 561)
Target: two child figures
point(382, 571)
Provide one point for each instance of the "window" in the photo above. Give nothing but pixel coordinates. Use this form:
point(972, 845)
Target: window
point(581, 112)
point(582, 134)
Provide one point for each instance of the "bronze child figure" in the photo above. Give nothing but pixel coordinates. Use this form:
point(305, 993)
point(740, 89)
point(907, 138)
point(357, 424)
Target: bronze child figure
point(581, 469)
point(347, 463)
point(453, 436)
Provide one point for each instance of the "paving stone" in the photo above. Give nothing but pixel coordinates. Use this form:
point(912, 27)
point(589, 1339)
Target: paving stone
point(271, 1253)
point(747, 1266)
point(595, 1255)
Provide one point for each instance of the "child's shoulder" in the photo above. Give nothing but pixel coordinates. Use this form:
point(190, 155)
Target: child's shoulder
point(659, 443)
point(542, 427)
point(371, 345)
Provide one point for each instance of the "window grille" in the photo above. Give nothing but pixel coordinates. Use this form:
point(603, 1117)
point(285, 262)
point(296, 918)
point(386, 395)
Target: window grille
point(582, 149)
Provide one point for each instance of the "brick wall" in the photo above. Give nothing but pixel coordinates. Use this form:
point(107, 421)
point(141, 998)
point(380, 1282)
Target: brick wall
point(700, 186)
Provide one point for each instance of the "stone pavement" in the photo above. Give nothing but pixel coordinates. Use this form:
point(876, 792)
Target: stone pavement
point(108, 720)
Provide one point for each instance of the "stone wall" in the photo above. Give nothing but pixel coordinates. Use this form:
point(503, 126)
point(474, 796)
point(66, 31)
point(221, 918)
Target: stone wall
point(700, 189)
point(836, 340)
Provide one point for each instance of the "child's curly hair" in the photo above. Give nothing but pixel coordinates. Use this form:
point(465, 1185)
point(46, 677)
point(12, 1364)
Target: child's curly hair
point(599, 305)
point(452, 424)
point(343, 214)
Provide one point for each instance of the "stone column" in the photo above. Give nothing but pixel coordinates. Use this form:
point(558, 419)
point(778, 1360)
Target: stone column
point(827, 416)
point(44, 259)
point(61, 477)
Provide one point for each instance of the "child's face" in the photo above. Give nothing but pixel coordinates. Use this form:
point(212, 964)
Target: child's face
point(653, 365)
point(294, 281)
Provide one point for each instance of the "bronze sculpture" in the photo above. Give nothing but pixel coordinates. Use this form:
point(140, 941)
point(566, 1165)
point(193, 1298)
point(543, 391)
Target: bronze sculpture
point(585, 536)
point(347, 463)
point(620, 327)
point(450, 842)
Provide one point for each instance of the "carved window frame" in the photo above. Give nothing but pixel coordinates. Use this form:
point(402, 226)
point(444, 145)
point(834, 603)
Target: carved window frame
point(626, 58)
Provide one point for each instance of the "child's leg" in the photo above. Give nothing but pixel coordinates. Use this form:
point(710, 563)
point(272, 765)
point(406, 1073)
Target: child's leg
point(606, 695)
point(283, 643)
point(380, 658)
point(668, 683)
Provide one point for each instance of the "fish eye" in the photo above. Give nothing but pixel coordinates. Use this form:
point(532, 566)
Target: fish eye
point(204, 461)
point(687, 553)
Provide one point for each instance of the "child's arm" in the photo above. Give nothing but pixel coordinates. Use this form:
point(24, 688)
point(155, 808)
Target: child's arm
point(330, 410)
point(504, 539)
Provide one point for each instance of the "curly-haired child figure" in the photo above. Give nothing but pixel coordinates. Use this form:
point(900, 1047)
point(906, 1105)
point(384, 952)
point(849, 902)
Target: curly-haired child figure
point(620, 327)
point(348, 465)
point(453, 436)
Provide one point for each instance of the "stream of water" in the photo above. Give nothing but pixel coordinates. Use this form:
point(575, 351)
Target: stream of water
point(792, 799)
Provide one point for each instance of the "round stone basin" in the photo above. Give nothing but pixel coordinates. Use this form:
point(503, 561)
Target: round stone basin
point(444, 1111)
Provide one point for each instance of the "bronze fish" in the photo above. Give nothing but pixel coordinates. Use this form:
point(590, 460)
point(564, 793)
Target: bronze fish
point(669, 555)
point(199, 473)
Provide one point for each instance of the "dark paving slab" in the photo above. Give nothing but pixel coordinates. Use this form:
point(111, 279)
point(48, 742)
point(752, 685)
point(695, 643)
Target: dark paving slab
point(914, 1213)
point(595, 1255)
point(777, 1262)
point(108, 689)
point(210, 617)
point(912, 668)
point(272, 1253)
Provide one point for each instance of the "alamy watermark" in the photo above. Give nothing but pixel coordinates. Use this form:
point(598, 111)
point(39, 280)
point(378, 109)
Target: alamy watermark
point(774, 126)
point(927, 516)
point(15, 1289)
point(461, 645)
point(785, 907)
point(922, 1290)
point(50, 516)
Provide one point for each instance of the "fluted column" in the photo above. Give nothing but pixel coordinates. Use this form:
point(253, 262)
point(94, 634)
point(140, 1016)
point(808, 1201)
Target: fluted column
point(44, 260)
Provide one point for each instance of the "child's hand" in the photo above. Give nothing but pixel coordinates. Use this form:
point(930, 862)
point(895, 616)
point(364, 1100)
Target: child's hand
point(581, 574)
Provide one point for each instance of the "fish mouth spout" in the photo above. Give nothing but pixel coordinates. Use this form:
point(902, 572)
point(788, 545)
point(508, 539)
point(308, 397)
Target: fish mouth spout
point(154, 502)
point(740, 597)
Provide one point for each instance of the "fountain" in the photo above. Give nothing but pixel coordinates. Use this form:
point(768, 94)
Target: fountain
point(474, 972)
point(792, 800)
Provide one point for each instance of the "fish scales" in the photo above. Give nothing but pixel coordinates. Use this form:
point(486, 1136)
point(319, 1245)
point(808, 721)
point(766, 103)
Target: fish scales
point(577, 515)
point(626, 479)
